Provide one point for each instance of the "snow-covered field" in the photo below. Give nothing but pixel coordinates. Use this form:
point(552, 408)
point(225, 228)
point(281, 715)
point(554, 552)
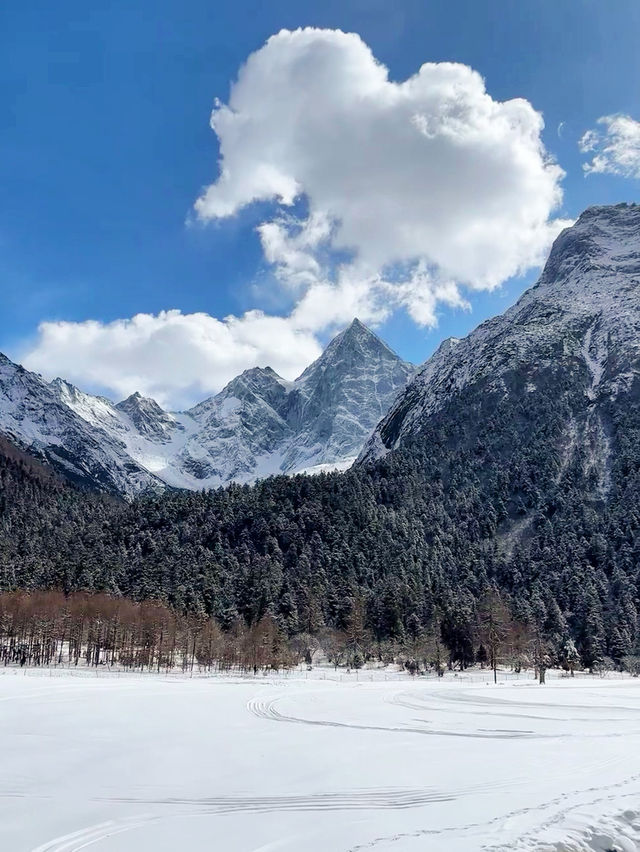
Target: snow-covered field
point(141, 764)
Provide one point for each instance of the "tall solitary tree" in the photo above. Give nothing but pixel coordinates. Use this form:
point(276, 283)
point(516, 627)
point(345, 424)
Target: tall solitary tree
point(495, 627)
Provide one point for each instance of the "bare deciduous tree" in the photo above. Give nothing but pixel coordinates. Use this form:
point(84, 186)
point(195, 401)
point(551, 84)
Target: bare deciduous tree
point(495, 628)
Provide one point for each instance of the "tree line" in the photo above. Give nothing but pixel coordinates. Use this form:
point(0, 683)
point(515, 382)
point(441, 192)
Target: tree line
point(45, 628)
point(48, 628)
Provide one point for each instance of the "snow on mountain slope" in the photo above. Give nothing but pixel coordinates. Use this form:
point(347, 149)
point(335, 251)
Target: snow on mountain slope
point(150, 436)
point(258, 425)
point(583, 316)
point(241, 431)
point(33, 415)
point(149, 419)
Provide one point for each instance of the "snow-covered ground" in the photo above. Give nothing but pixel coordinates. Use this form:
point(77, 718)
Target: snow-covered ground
point(154, 763)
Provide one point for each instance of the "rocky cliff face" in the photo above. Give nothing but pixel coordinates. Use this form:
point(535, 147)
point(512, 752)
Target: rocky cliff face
point(338, 400)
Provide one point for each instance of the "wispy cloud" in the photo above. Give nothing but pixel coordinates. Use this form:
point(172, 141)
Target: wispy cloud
point(615, 146)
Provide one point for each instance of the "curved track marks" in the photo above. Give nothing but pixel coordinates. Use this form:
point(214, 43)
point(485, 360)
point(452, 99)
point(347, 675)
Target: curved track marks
point(86, 837)
point(510, 709)
point(558, 805)
point(266, 709)
point(352, 800)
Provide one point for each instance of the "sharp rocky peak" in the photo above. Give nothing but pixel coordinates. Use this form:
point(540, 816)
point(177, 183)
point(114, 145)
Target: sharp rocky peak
point(137, 402)
point(250, 384)
point(148, 417)
point(259, 375)
point(355, 345)
point(357, 335)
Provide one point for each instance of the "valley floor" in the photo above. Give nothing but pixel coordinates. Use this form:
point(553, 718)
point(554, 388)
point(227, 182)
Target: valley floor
point(142, 764)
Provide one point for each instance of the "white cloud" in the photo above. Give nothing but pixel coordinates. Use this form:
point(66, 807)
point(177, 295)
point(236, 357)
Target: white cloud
point(414, 191)
point(429, 173)
point(615, 148)
point(290, 245)
point(175, 358)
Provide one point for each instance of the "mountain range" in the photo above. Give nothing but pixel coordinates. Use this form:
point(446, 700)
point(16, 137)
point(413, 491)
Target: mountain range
point(258, 425)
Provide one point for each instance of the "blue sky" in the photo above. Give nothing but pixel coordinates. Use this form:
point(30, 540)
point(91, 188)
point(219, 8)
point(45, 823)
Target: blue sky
point(105, 143)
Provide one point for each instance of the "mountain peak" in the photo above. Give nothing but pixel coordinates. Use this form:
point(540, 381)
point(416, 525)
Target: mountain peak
point(261, 373)
point(357, 330)
point(66, 391)
point(261, 380)
point(136, 406)
point(356, 344)
point(358, 334)
point(592, 260)
point(147, 416)
point(138, 400)
point(357, 325)
point(612, 213)
point(59, 382)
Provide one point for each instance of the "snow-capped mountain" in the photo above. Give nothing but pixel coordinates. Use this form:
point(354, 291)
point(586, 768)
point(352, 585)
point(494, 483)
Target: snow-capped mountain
point(258, 425)
point(34, 415)
point(338, 400)
point(581, 321)
point(148, 418)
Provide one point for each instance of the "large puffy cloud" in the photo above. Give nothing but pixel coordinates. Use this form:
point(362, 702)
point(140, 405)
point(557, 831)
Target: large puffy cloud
point(615, 146)
point(425, 184)
point(174, 357)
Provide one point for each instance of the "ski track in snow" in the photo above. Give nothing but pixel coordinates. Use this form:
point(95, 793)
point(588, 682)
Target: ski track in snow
point(77, 840)
point(346, 769)
point(267, 710)
point(341, 801)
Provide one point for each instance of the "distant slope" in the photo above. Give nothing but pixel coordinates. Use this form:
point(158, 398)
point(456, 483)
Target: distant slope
point(33, 415)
